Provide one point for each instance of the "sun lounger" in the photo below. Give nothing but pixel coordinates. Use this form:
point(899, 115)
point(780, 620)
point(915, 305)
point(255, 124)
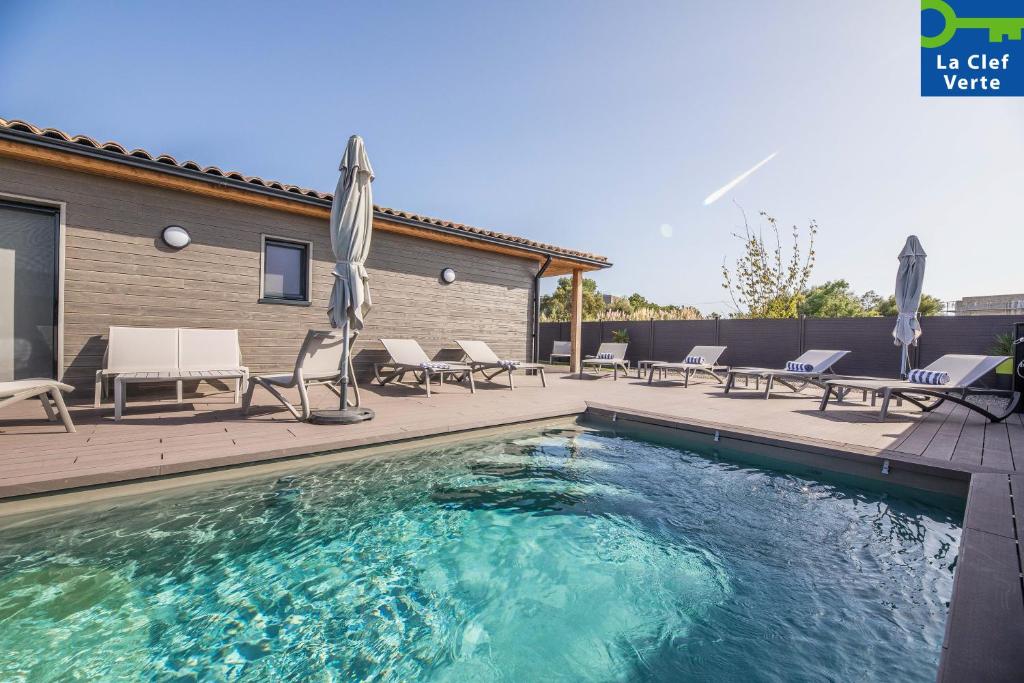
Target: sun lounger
point(560, 349)
point(482, 359)
point(318, 363)
point(708, 366)
point(46, 390)
point(609, 354)
point(406, 355)
point(820, 362)
point(963, 371)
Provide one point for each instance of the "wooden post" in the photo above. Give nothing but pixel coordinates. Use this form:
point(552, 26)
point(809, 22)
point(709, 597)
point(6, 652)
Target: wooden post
point(576, 321)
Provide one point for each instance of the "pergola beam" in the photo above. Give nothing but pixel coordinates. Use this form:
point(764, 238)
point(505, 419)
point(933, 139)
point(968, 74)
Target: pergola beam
point(576, 321)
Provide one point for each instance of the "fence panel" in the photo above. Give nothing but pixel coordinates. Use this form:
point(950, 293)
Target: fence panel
point(962, 334)
point(591, 338)
point(869, 341)
point(673, 339)
point(759, 343)
point(772, 342)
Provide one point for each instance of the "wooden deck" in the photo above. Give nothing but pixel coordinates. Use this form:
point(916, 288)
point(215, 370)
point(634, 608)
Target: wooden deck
point(160, 437)
point(155, 438)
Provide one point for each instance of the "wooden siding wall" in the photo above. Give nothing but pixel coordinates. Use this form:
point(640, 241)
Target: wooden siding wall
point(118, 272)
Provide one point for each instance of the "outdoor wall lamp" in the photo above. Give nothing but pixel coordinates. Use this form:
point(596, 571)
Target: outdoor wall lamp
point(176, 237)
point(448, 275)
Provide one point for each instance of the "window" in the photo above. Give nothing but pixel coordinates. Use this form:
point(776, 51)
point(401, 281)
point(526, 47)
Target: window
point(285, 274)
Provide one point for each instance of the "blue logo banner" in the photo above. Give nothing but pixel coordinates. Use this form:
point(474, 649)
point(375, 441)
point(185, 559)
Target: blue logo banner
point(972, 48)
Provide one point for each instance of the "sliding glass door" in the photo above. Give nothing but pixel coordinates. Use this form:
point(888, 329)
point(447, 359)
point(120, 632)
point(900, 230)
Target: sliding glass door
point(28, 290)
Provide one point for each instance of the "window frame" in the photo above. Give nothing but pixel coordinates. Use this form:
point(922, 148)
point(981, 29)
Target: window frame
point(307, 265)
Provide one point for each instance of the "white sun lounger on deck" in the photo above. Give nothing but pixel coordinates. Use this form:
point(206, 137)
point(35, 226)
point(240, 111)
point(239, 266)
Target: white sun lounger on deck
point(963, 371)
point(318, 363)
point(46, 390)
point(617, 359)
point(483, 360)
point(821, 370)
point(710, 366)
point(406, 355)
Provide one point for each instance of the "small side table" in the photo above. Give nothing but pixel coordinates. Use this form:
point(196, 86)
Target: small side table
point(645, 365)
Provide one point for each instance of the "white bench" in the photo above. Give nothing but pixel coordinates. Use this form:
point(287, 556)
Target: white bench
point(169, 354)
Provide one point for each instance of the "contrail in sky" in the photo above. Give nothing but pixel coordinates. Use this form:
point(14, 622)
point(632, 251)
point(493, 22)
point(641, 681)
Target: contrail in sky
point(722, 191)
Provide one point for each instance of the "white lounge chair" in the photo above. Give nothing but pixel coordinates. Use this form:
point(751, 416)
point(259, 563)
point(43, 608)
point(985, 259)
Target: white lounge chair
point(318, 363)
point(46, 390)
point(560, 349)
point(406, 355)
point(709, 365)
point(482, 359)
point(609, 354)
point(821, 362)
point(963, 371)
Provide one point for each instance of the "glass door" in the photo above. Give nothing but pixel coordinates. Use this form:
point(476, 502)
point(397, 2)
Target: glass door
point(28, 291)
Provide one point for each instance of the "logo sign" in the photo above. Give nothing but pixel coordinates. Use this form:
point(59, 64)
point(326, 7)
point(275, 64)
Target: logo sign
point(972, 48)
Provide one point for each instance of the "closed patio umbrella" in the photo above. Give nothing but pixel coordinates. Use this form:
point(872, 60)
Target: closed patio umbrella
point(351, 227)
point(909, 282)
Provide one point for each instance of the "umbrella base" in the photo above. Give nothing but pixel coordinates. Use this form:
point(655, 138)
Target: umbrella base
point(341, 417)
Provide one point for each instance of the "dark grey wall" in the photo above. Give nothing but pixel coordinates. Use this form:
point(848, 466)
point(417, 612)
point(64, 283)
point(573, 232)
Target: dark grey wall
point(772, 342)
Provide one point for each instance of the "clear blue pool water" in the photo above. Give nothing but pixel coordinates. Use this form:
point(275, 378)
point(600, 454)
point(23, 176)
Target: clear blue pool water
point(565, 555)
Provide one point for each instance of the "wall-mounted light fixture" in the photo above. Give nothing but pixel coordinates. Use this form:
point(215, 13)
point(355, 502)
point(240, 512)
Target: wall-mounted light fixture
point(448, 275)
point(176, 237)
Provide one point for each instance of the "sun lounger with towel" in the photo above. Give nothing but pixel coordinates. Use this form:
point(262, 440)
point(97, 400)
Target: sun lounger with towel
point(482, 359)
point(609, 354)
point(406, 355)
point(953, 376)
point(702, 359)
point(812, 367)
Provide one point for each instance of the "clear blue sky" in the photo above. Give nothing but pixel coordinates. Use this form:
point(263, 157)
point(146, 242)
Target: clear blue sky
point(584, 124)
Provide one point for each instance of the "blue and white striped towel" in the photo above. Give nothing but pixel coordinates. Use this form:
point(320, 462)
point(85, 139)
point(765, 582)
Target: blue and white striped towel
point(694, 360)
point(435, 365)
point(605, 355)
point(928, 377)
point(508, 364)
point(793, 366)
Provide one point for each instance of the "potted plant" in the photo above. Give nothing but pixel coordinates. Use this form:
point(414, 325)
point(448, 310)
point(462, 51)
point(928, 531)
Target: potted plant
point(1003, 346)
point(620, 336)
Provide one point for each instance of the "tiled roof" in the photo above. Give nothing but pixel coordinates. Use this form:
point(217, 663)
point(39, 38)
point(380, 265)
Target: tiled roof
point(382, 211)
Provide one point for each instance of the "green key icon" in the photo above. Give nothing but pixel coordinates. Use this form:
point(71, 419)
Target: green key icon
point(998, 27)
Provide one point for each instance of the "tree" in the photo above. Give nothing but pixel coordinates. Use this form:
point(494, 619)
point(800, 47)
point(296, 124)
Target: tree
point(557, 306)
point(637, 300)
point(764, 284)
point(834, 299)
point(930, 305)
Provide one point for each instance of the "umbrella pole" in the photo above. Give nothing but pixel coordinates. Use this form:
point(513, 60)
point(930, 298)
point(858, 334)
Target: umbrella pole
point(343, 415)
point(344, 369)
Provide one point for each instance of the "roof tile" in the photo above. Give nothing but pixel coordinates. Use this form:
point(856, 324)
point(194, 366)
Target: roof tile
point(213, 171)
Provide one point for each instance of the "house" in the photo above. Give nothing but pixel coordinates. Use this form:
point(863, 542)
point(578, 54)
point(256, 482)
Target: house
point(84, 245)
point(993, 304)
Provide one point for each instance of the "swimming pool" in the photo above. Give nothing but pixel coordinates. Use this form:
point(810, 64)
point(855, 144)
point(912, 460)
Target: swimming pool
point(564, 554)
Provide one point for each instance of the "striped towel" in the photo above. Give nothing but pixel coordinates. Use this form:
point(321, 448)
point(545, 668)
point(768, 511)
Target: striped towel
point(605, 355)
point(508, 364)
point(694, 360)
point(793, 366)
point(928, 377)
point(435, 365)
